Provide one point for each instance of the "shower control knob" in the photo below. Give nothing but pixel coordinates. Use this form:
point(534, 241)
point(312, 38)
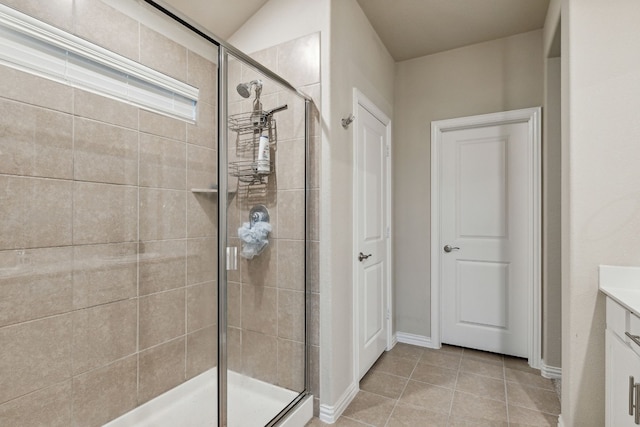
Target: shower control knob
point(449, 248)
point(362, 256)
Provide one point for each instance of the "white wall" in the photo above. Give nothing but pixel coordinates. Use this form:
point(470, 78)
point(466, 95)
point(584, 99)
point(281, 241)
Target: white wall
point(551, 217)
point(279, 21)
point(504, 74)
point(601, 215)
point(358, 59)
point(552, 194)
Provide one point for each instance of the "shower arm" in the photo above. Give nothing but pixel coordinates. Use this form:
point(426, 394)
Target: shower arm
point(276, 110)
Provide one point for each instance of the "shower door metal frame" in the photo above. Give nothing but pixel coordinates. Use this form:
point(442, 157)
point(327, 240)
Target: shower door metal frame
point(307, 306)
point(223, 167)
point(224, 49)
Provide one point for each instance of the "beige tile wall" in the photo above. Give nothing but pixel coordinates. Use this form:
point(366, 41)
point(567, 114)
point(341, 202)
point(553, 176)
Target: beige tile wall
point(107, 259)
point(267, 295)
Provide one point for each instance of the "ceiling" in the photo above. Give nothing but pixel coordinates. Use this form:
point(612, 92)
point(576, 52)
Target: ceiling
point(221, 17)
point(408, 28)
point(414, 28)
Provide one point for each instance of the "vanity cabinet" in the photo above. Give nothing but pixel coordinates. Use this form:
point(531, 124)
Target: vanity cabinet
point(622, 366)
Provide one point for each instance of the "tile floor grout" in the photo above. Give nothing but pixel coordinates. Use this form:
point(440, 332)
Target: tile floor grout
point(506, 393)
point(403, 390)
point(455, 385)
point(530, 400)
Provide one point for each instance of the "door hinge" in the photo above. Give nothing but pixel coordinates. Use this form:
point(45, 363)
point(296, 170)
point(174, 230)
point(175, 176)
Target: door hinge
point(388, 232)
point(388, 313)
point(388, 151)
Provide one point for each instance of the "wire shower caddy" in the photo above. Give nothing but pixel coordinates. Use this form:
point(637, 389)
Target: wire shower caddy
point(248, 128)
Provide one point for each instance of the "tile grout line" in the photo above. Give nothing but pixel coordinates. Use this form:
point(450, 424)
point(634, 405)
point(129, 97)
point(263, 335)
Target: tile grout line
point(403, 389)
point(459, 372)
point(357, 421)
point(72, 363)
point(186, 237)
point(138, 259)
point(506, 394)
point(455, 386)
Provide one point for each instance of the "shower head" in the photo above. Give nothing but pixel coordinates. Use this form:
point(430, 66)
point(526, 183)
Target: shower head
point(244, 89)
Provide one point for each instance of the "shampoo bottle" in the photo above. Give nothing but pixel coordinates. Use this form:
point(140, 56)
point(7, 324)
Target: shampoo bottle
point(264, 156)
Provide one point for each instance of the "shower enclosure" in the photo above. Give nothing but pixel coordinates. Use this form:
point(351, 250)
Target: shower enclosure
point(153, 223)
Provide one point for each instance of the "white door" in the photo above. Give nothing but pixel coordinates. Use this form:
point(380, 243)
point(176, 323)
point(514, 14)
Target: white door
point(371, 246)
point(485, 222)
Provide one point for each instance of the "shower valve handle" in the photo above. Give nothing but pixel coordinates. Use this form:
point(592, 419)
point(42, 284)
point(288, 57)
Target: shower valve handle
point(362, 256)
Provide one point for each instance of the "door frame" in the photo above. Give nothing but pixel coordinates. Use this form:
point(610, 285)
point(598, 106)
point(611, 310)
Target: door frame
point(531, 116)
point(359, 99)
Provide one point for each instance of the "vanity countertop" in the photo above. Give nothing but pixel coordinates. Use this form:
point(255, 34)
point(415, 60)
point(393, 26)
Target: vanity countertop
point(621, 284)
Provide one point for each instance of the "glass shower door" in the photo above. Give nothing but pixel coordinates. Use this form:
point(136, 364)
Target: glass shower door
point(265, 340)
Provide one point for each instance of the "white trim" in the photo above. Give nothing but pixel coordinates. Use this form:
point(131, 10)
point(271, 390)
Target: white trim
point(359, 99)
point(551, 372)
point(532, 117)
point(419, 340)
point(330, 414)
point(38, 48)
point(394, 341)
point(301, 415)
point(435, 240)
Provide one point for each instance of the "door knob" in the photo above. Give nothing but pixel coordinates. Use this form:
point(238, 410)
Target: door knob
point(362, 256)
point(449, 248)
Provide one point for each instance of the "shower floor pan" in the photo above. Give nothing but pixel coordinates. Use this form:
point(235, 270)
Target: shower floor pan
point(194, 404)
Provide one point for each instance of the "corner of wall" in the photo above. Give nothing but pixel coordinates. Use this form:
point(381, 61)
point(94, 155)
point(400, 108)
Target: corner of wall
point(551, 23)
point(551, 372)
point(330, 413)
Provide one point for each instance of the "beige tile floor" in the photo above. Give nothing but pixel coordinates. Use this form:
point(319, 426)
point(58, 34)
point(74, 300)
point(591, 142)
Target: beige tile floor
point(413, 386)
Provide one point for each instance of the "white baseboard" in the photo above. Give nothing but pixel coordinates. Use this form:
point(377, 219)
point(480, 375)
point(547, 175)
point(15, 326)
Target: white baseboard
point(551, 372)
point(330, 414)
point(394, 341)
point(413, 339)
point(560, 422)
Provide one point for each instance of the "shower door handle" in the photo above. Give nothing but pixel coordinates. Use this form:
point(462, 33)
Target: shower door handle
point(449, 248)
point(232, 258)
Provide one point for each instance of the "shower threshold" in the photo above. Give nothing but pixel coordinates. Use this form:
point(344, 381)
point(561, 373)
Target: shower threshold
point(195, 404)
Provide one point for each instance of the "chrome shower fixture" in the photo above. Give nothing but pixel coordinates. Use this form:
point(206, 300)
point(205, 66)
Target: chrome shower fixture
point(244, 89)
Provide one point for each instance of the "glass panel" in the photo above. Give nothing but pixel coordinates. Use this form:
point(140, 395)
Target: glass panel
point(108, 232)
point(266, 226)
